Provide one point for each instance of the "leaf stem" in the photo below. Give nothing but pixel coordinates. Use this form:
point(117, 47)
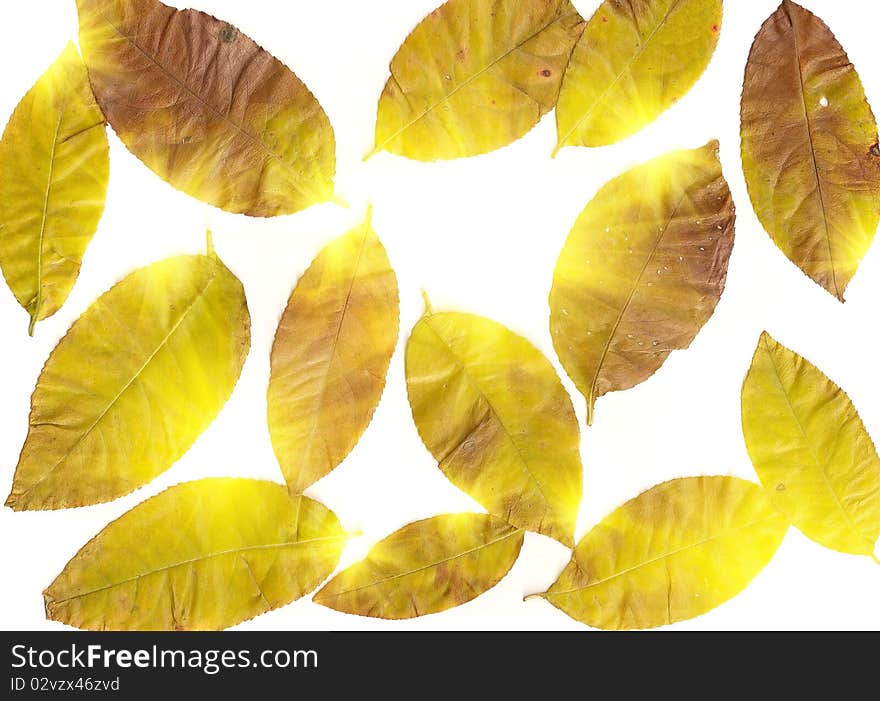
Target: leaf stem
point(537, 595)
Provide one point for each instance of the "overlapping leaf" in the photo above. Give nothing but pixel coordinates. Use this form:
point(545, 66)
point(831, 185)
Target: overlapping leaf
point(642, 271)
point(426, 567)
point(634, 61)
point(206, 108)
point(331, 355)
point(492, 411)
point(474, 76)
point(54, 166)
point(809, 147)
point(202, 555)
point(672, 553)
point(133, 383)
point(811, 450)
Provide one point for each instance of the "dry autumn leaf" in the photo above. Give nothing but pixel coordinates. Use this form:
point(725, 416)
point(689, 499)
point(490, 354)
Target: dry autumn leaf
point(54, 166)
point(492, 411)
point(138, 377)
point(331, 355)
point(811, 450)
point(206, 108)
point(202, 555)
point(809, 147)
point(633, 62)
point(672, 553)
point(475, 75)
point(426, 567)
point(642, 271)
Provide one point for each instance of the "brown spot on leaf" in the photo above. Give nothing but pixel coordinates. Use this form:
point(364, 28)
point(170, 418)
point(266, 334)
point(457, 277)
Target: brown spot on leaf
point(228, 34)
point(461, 54)
point(715, 28)
point(875, 150)
point(546, 73)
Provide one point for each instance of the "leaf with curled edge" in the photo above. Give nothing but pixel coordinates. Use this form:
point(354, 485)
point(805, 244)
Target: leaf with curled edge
point(331, 355)
point(642, 271)
point(206, 108)
point(672, 553)
point(634, 61)
point(138, 377)
point(809, 147)
point(201, 555)
point(493, 412)
point(475, 75)
point(54, 167)
point(811, 450)
point(426, 567)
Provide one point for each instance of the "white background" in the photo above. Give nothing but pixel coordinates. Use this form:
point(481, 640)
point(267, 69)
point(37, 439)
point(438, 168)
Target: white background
point(480, 235)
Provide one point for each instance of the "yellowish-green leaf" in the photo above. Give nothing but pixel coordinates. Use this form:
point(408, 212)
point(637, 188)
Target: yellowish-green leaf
point(642, 271)
point(811, 450)
point(202, 555)
point(474, 76)
point(206, 108)
point(134, 382)
point(634, 61)
point(672, 553)
point(331, 355)
point(809, 147)
point(492, 411)
point(426, 567)
point(54, 166)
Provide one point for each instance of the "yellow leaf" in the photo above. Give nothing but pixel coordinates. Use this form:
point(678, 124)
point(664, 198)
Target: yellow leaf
point(202, 555)
point(811, 450)
point(331, 355)
point(492, 411)
point(672, 553)
point(426, 567)
point(474, 76)
point(642, 271)
point(634, 61)
point(133, 383)
point(809, 147)
point(54, 165)
point(206, 108)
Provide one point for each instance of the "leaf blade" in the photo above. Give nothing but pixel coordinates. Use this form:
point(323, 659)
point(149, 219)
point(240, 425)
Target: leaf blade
point(220, 551)
point(164, 349)
point(809, 147)
point(811, 450)
point(331, 355)
point(54, 161)
point(426, 567)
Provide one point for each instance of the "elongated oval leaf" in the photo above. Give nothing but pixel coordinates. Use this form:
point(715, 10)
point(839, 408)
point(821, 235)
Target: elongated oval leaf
point(633, 62)
point(202, 555)
point(642, 271)
point(206, 108)
point(809, 147)
point(811, 450)
point(474, 76)
point(426, 567)
point(492, 411)
point(133, 383)
point(54, 165)
point(672, 553)
point(331, 355)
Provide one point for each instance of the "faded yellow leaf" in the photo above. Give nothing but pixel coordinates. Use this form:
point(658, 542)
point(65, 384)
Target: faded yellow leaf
point(426, 567)
point(138, 377)
point(206, 108)
point(331, 355)
point(811, 450)
point(54, 165)
point(809, 147)
point(642, 271)
point(492, 411)
point(672, 553)
point(634, 61)
point(201, 555)
point(474, 76)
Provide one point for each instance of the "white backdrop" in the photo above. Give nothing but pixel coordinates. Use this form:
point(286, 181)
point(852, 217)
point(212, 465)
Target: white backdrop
point(479, 235)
